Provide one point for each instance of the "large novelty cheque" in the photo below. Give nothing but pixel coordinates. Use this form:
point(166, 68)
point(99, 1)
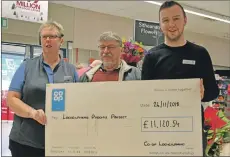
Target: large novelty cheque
point(129, 118)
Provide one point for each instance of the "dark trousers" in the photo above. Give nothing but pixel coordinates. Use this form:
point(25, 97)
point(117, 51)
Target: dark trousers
point(19, 150)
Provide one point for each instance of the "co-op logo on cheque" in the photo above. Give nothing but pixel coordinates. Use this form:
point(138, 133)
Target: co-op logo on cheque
point(29, 5)
point(58, 96)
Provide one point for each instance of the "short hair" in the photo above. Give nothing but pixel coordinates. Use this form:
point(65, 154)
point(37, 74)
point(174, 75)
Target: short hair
point(169, 4)
point(108, 36)
point(52, 24)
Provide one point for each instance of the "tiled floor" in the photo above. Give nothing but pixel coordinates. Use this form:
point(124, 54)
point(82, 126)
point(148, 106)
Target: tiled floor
point(6, 127)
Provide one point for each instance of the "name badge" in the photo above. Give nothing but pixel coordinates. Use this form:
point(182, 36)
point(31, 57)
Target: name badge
point(191, 62)
point(68, 79)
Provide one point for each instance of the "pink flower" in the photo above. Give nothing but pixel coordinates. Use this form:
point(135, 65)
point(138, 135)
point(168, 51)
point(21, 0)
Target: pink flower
point(133, 51)
point(129, 58)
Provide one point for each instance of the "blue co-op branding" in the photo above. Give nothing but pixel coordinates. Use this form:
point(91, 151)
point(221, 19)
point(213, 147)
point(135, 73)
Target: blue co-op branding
point(58, 100)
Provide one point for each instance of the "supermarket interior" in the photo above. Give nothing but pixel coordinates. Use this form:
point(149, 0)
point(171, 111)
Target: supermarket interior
point(208, 25)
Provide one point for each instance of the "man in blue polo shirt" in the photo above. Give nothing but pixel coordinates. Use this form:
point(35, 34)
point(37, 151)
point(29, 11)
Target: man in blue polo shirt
point(27, 91)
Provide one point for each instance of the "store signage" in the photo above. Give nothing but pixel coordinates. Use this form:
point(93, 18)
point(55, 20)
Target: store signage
point(4, 22)
point(148, 33)
point(33, 11)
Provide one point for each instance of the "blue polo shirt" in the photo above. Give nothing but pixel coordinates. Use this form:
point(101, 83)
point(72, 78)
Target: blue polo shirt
point(30, 80)
point(19, 76)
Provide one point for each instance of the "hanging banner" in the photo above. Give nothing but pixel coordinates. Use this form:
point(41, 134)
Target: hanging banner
point(32, 11)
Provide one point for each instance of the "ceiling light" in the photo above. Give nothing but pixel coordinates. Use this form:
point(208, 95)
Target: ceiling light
point(153, 2)
point(195, 13)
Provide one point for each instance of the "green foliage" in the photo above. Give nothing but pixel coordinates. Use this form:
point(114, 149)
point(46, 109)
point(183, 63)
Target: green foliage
point(217, 137)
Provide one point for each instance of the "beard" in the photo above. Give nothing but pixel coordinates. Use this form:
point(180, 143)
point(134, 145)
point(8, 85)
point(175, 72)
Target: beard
point(107, 64)
point(174, 37)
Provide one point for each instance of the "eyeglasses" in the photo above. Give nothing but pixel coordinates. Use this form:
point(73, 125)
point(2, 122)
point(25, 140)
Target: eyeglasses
point(111, 47)
point(50, 36)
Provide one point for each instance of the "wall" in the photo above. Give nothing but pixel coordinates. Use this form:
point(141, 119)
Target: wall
point(83, 27)
point(89, 25)
point(219, 49)
point(85, 54)
point(216, 67)
point(19, 38)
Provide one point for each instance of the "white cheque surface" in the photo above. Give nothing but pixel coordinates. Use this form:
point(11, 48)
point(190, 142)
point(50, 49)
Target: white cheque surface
point(132, 118)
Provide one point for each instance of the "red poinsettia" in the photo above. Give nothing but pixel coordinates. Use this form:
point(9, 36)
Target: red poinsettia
point(219, 125)
point(212, 119)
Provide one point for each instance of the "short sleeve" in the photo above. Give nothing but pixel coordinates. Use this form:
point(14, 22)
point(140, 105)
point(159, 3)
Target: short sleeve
point(18, 79)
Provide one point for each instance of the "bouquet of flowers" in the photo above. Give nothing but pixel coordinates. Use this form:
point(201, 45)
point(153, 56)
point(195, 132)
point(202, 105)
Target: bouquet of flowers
point(133, 51)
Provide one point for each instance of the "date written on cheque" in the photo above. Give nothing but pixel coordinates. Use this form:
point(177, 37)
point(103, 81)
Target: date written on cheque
point(162, 104)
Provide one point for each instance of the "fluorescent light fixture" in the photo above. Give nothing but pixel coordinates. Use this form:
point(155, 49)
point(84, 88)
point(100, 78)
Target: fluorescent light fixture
point(153, 2)
point(208, 16)
point(195, 13)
